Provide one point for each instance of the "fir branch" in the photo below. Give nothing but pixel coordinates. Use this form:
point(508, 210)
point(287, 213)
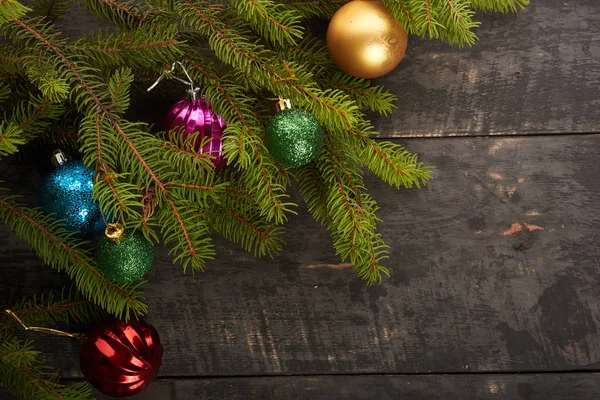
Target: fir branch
point(33, 117)
point(118, 90)
point(197, 247)
point(49, 79)
point(149, 163)
point(48, 310)
point(312, 53)
point(243, 145)
point(139, 46)
point(350, 211)
point(313, 189)
point(182, 148)
point(311, 9)
point(503, 6)
point(11, 62)
point(364, 94)
point(51, 9)
point(59, 249)
point(237, 220)
point(444, 19)
point(276, 23)
point(4, 94)
point(33, 35)
point(26, 376)
point(261, 68)
point(125, 145)
point(10, 138)
point(230, 41)
point(121, 13)
point(10, 10)
point(393, 164)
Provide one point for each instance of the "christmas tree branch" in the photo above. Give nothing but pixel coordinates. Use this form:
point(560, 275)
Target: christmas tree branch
point(122, 137)
point(319, 8)
point(50, 10)
point(242, 144)
point(10, 137)
point(47, 310)
point(278, 24)
point(139, 46)
point(60, 250)
point(444, 19)
point(10, 60)
point(28, 120)
point(313, 190)
point(191, 245)
point(499, 5)
point(351, 212)
point(23, 374)
point(393, 164)
point(11, 9)
point(121, 13)
point(262, 69)
point(237, 220)
point(312, 53)
point(4, 94)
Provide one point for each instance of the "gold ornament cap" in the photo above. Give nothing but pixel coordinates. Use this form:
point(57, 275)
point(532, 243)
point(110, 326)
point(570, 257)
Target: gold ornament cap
point(283, 104)
point(115, 232)
point(365, 40)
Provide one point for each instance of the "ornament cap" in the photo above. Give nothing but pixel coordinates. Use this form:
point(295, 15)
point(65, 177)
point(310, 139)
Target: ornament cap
point(283, 104)
point(58, 158)
point(115, 232)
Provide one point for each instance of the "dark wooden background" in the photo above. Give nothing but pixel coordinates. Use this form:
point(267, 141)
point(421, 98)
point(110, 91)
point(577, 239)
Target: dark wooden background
point(495, 286)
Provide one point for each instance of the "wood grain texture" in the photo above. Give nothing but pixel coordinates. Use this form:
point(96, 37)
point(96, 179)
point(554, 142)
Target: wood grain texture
point(533, 72)
point(380, 387)
point(494, 268)
point(360, 387)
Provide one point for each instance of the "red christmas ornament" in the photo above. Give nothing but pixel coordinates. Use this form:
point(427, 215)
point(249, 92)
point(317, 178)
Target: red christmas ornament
point(121, 358)
point(197, 116)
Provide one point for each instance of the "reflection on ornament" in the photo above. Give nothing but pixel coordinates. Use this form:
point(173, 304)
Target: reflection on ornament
point(365, 40)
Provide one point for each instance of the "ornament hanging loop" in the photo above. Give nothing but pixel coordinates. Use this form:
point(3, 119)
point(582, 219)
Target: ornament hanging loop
point(283, 104)
point(193, 90)
point(43, 330)
point(115, 232)
point(58, 158)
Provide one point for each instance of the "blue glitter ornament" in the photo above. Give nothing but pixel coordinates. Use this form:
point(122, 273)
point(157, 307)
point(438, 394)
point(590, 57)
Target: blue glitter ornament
point(67, 193)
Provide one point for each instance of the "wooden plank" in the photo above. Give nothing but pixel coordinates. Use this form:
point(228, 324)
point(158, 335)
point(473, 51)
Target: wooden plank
point(494, 268)
point(361, 387)
point(537, 71)
point(555, 386)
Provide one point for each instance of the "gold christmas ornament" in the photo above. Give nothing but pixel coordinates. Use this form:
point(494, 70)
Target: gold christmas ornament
point(365, 40)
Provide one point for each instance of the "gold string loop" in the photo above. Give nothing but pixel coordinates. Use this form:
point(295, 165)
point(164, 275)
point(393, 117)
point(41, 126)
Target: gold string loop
point(43, 330)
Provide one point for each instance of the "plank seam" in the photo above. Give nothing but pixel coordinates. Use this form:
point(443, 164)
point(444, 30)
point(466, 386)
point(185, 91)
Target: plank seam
point(488, 136)
point(407, 374)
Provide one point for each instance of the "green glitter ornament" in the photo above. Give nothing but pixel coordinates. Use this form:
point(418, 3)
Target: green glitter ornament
point(294, 136)
point(124, 257)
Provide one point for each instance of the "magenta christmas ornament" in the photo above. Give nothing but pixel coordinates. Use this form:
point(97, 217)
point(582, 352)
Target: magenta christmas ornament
point(193, 115)
point(196, 115)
